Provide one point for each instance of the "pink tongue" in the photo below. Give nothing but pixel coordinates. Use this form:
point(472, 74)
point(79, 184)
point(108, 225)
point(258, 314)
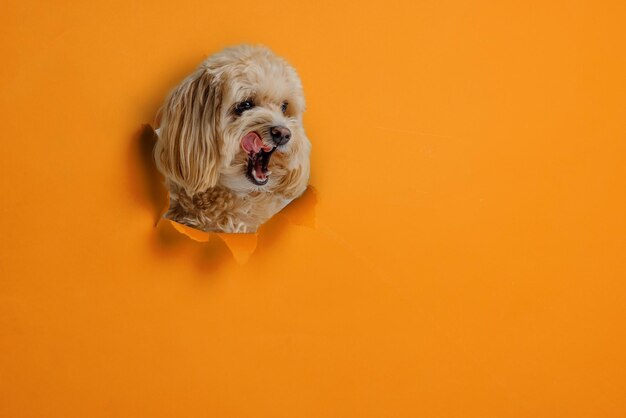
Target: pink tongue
point(253, 144)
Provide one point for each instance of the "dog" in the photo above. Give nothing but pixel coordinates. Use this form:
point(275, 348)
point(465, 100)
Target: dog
point(230, 141)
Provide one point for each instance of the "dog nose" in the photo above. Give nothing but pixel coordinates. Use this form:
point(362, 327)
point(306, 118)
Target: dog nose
point(280, 134)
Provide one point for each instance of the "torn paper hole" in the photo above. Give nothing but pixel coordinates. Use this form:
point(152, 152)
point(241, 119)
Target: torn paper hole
point(299, 212)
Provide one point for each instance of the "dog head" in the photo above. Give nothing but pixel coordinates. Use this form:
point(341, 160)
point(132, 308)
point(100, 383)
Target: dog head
point(235, 122)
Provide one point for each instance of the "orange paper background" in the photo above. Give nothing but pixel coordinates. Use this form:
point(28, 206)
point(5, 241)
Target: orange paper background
point(468, 258)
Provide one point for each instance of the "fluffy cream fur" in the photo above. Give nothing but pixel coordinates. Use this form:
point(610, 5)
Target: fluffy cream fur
point(199, 148)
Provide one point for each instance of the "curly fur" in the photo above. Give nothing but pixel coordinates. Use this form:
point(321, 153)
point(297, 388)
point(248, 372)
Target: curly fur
point(199, 151)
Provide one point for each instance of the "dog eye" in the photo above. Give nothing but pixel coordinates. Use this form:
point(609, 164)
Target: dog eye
point(243, 106)
point(283, 107)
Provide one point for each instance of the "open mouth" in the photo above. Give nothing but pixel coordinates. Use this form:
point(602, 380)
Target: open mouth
point(259, 155)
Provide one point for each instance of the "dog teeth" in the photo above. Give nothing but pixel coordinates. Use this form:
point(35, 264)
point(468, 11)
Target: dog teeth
point(257, 178)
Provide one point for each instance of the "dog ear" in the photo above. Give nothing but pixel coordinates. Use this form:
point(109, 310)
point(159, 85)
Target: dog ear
point(187, 152)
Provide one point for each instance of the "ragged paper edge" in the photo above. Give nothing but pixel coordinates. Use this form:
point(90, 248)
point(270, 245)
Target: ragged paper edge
point(300, 212)
point(241, 246)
